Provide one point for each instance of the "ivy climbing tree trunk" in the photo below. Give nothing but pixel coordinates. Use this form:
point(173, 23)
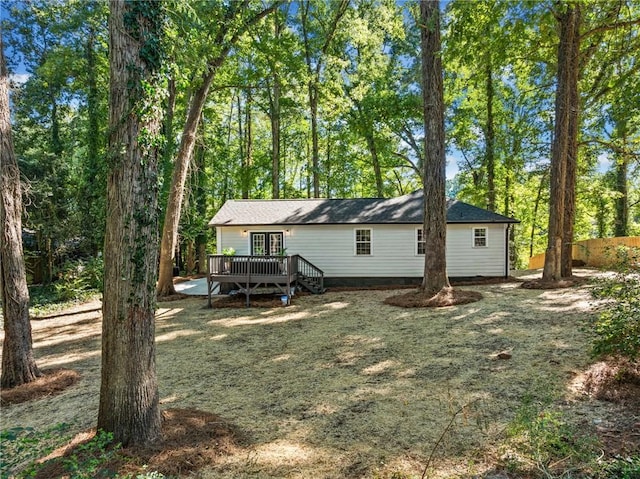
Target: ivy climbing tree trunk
point(435, 204)
point(129, 400)
point(18, 364)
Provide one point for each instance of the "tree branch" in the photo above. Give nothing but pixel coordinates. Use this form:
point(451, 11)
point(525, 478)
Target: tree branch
point(611, 26)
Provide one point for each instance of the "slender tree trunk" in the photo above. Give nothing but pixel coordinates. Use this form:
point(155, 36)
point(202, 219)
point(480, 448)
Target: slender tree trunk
point(93, 191)
point(168, 150)
point(561, 142)
point(248, 166)
point(275, 137)
point(490, 140)
point(315, 153)
point(435, 204)
point(274, 116)
point(176, 192)
point(129, 400)
point(622, 182)
point(18, 363)
point(536, 207)
point(201, 206)
point(377, 171)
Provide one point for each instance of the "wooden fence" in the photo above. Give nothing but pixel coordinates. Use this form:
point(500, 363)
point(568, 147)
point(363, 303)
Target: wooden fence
point(598, 252)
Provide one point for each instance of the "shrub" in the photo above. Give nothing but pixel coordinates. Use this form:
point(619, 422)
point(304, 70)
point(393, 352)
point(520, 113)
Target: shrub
point(540, 439)
point(617, 328)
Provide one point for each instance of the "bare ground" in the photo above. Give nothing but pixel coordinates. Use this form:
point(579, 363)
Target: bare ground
point(344, 385)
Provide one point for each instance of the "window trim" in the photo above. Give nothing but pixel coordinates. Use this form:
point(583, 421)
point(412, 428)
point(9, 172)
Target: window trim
point(355, 242)
point(474, 237)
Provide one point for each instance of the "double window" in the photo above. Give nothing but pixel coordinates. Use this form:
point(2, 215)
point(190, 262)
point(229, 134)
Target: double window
point(267, 244)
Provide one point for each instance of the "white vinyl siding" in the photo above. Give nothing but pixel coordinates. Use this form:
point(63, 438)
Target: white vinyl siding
point(331, 248)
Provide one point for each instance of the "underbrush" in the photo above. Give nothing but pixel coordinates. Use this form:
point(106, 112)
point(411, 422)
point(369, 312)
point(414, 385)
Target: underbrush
point(617, 328)
point(541, 442)
point(22, 447)
point(77, 281)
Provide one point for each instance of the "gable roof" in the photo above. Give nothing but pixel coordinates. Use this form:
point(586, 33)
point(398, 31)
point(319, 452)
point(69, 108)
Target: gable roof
point(405, 209)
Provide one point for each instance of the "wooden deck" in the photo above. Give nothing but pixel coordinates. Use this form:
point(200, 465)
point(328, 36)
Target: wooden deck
point(249, 273)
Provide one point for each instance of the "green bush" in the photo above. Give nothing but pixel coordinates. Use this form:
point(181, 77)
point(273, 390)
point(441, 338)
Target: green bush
point(77, 278)
point(617, 328)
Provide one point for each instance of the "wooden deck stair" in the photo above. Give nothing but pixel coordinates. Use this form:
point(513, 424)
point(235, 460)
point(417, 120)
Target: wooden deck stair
point(309, 276)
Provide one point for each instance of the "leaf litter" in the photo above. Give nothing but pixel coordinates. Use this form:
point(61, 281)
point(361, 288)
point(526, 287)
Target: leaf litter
point(342, 384)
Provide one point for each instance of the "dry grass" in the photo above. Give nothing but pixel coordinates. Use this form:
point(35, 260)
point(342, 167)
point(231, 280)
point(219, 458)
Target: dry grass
point(343, 385)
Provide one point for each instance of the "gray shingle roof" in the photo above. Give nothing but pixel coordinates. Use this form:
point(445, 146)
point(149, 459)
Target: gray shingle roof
point(405, 209)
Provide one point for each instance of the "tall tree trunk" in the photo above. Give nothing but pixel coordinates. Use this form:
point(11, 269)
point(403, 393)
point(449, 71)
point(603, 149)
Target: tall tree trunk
point(314, 72)
point(315, 153)
point(129, 400)
point(176, 192)
point(490, 139)
point(536, 207)
point(93, 191)
point(377, 171)
point(18, 364)
point(560, 148)
point(622, 183)
point(566, 267)
point(274, 116)
point(168, 150)
point(185, 152)
point(435, 204)
point(275, 137)
point(247, 159)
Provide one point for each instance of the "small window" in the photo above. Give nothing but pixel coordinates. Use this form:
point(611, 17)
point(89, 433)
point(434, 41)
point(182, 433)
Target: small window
point(479, 237)
point(420, 242)
point(363, 242)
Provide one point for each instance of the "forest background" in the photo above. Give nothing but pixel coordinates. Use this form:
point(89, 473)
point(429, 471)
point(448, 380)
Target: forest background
point(322, 99)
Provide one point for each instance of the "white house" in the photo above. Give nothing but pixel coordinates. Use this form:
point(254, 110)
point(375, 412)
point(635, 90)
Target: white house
point(367, 240)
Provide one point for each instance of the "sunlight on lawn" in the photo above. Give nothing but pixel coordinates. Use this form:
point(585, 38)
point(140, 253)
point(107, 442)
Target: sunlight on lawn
point(176, 334)
point(253, 320)
point(67, 357)
point(163, 313)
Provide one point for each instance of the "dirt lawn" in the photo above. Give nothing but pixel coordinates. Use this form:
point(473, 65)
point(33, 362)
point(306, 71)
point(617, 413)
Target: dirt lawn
point(341, 384)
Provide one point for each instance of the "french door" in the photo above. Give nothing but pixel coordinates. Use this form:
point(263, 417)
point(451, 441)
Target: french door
point(268, 243)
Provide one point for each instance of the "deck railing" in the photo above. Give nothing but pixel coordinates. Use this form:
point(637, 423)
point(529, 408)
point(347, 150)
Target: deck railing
point(248, 272)
point(244, 265)
point(309, 272)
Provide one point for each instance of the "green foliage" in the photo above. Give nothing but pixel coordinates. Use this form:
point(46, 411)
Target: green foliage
point(23, 445)
point(617, 328)
point(621, 468)
point(541, 443)
point(79, 278)
point(540, 439)
point(89, 458)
